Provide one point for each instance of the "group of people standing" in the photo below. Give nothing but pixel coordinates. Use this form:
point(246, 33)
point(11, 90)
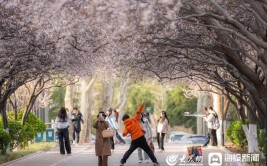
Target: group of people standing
point(138, 127)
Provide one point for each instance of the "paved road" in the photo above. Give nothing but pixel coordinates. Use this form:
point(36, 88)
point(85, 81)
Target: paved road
point(84, 155)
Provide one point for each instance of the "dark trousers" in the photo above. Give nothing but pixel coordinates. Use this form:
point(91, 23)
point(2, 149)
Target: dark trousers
point(111, 140)
point(208, 140)
point(213, 137)
point(77, 134)
point(102, 160)
point(119, 138)
point(139, 143)
point(160, 140)
point(63, 137)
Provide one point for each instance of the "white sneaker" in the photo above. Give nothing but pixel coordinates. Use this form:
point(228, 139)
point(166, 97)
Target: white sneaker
point(139, 161)
point(147, 161)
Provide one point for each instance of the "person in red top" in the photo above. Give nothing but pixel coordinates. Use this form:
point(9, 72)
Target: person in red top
point(133, 127)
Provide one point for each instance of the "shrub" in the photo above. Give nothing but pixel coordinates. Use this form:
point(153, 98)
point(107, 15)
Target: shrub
point(15, 132)
point(261, 140)
point(4, 141)
point(20, 135)
point(236, 134)
point(32, 126)
point(35, 124)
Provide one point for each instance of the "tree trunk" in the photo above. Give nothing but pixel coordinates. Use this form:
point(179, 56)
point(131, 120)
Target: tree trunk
point(14, 106)
point(251, 135)
point(217, 104)
point(3, 113)
point(226, 104)
point(86, 108)
point(122, 98)
point(28, 109)
point(68, 100)
point(69, 97)
point(108, 94)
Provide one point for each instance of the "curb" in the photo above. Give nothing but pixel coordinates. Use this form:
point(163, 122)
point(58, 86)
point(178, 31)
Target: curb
point(22, 158)
point(225, 149)
point(25, 157)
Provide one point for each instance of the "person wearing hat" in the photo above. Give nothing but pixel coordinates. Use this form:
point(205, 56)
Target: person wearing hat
point(133, 127)
point(102, 145)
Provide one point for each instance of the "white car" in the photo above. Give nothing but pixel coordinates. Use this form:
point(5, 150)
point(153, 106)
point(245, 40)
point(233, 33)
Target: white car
point(194, 139)
point(175, 137)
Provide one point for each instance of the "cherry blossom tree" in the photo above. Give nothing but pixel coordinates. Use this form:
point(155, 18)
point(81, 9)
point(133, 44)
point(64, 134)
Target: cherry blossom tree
point(222, 43)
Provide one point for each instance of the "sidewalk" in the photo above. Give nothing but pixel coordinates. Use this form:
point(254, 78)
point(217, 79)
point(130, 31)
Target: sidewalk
point(84, 155)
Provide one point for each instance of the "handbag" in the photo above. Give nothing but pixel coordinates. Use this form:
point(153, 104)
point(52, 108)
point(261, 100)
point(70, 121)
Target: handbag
point(107, 133)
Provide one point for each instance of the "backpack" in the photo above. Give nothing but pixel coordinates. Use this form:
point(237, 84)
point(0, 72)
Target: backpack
point(216, 123)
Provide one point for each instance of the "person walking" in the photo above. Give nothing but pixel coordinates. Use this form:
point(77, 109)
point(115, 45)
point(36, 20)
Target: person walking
point(148, 135)
point(77, 120)
point(102, 145)
point(132, 127)
point(112, 125)
point(62, 130)
point(118, 137)
point(210, 119)
point(116, 115)
point(162, 129)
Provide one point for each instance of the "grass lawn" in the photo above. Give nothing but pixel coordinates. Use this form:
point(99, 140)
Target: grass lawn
point(33, 148)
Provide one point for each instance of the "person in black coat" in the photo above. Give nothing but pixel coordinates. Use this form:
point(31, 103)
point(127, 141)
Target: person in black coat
point(77, 120)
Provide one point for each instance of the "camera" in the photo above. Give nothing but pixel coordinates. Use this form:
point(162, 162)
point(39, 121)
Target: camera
point(101, 114)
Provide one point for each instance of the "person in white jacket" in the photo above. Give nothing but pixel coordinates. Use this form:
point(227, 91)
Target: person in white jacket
point(210, 119)
point(162, 129)
point(148, 135)
point(62, 130)
point(112, 125)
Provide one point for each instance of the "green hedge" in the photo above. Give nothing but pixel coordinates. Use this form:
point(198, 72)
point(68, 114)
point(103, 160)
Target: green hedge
point(4, 141)
point(236, 134)
point(261, 140)
point(20, 135)
point(15, 133)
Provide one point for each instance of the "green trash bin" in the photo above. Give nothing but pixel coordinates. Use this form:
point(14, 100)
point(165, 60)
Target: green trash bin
point(39, 137)
point(50, 135)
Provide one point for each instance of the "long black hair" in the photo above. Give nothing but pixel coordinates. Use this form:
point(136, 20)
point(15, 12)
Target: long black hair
point(164, 112)
point(62, 114)
point(142, 115)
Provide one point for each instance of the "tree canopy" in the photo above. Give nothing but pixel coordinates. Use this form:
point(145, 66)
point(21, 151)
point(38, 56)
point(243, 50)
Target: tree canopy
point(220, 43)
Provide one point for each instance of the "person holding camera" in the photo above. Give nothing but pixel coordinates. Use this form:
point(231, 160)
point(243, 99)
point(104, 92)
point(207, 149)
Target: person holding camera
point(102, 145)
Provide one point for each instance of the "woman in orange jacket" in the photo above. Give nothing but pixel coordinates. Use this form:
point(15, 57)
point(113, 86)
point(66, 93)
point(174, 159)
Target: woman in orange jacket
point(133, 128)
